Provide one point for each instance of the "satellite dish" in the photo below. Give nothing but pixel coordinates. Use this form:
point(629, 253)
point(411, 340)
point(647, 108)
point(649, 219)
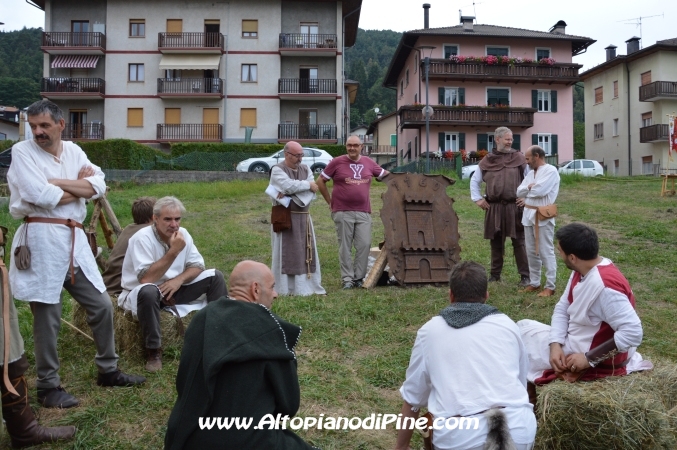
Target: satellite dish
point(376, 110)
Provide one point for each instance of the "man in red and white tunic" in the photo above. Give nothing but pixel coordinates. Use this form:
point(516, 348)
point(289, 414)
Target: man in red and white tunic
point(595, 330)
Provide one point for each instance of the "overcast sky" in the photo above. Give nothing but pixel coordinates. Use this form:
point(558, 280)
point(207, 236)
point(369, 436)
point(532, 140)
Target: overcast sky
point(608, 22)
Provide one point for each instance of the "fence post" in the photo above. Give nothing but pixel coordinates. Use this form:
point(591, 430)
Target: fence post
point(459, 165)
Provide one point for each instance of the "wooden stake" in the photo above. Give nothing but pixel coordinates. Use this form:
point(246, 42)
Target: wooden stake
point(376, 270)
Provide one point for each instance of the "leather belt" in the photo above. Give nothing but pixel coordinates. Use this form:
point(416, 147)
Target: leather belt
point(70, 223)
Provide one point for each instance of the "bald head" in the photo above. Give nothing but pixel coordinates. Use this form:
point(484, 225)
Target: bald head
point(293, 154)
point(252, 281)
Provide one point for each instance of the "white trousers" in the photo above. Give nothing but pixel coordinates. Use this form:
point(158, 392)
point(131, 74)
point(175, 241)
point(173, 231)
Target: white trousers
point(546, 256)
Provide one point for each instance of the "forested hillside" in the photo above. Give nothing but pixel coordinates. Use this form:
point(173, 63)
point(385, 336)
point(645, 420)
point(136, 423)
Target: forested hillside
point(20, 67)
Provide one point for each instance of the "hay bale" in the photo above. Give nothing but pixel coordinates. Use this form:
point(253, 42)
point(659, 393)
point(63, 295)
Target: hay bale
point(632, 412)
point(128, 337)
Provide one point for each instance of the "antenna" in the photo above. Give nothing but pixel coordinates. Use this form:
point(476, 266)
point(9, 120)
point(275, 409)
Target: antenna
point(474, 11)
point(637, 21)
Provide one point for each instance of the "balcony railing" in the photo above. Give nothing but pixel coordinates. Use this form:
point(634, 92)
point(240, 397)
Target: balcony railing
point(303, 40)
point(657, 90)
point(68, 39)
point(190, 40)
point(412, 116)
point(189, 132)
point(190, 86)
point(296, 131)
point(73, 85)
point(82, 131)
point(654, 133)
point(306, 86)
point(558, 73)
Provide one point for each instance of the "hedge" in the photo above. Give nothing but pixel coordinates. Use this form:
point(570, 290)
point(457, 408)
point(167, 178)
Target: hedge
point(5, 144)
point(183, 148)
point(119, 153)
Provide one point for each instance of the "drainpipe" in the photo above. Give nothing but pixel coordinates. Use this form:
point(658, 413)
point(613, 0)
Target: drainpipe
point(343, 71)
point(627, 71)
point(225, 73)
point(397, 134)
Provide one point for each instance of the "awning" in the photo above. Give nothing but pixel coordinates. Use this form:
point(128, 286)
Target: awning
point(75, 62)
point(190, 62)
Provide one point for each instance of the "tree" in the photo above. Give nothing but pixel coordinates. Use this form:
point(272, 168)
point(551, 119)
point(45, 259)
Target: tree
point(579, 140)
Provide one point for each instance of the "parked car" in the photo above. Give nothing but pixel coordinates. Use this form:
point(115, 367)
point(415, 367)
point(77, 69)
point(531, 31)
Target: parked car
point(6, 157)
point(314, 158)
point(468, 171)
point(585, 167)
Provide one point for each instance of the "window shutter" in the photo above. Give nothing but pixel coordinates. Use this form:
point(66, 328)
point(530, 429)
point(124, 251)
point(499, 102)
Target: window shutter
point(247, 117)
point(516, 142)
point(461, 96)
point(534, 139)
point(393, 140)
point(534, 98)
point(134, 117)
point(250, 26)
point(440, 96)
point(482, 142)
point(461, 141)
point(553, 101)
point(553, 144)
point(441, 140)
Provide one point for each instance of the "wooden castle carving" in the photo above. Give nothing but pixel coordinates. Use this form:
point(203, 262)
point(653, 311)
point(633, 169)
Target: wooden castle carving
point(420, 227)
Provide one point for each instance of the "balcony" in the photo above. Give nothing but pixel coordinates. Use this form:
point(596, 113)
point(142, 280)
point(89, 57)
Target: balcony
point(658, 90)
point(412, 116)
point(190, 88)
point(654, 133)
point(306, 89)
point(188, 132)
point(82, 132)
point(317, 133)
point(73, 88)
point(559, 73)
point(302, 44)
point(66, 43)
point(190, 43)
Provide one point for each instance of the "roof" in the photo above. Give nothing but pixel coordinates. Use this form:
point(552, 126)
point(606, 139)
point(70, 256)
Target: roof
point(372, 126)
point(351, 14)
point(409, 38)
point(665, 45)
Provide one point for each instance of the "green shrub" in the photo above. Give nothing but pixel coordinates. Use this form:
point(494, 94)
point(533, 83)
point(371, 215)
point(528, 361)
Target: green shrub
point(119, 153)
point(4, 145)
point(183, 148)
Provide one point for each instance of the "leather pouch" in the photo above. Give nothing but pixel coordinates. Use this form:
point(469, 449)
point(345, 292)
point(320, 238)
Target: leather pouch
point(280, 217)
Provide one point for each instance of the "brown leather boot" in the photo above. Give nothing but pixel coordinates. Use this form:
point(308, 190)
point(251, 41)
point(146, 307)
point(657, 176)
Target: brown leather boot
point(153, 359)
point(22, 426)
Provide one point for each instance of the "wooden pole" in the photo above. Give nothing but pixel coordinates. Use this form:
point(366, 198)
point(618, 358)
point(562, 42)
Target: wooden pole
point(107, 233)
point(111, 216)
point(376, 270)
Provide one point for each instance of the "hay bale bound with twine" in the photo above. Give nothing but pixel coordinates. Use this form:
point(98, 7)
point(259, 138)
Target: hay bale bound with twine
point(638, 411)
point(128, 337)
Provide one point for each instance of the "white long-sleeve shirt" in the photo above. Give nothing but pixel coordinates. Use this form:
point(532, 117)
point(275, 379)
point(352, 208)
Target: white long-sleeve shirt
point(476, 184)
point(543, 192)
point(50, 244)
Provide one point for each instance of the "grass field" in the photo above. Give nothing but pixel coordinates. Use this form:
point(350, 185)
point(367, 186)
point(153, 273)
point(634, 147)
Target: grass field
point(355, 344)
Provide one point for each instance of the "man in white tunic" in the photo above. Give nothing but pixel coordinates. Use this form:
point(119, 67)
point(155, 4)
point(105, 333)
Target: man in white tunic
point(163, 268)
point(539, 188)
point(50, 180)
point(295, 261)
point(469, 363)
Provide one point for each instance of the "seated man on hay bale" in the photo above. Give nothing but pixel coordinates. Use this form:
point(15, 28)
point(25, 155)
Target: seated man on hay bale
point(142, 213)
point(595, 330)
point(469, 365)
point(238, 361)
point(163, 268)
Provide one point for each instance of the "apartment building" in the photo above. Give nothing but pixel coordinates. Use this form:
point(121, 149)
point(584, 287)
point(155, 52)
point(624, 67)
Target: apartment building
point(178, 70)
point(627, 100)
point(481, 77)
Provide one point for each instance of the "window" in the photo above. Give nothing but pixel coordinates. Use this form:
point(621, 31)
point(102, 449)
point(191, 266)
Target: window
point(450, 97)
point(542, 53)
point(248, 117)
point(80, 26)
point(599, 131)
point(615, 89)
point(174, 25)
point(543, 101)
point(497, 97)
point(393, 140)
point(249, 73)
point(173, 74)
point(137, 27)
point(647, 165)
point(545, 142)
point(416, 98)
point(450, 142)
point(450, 50)
point(250, 28)
point(646, 78)
point(401, 88)
point(498, 51)
point(617, 164)
point(134, 117)
point(615, 128)
point(136, 72)
point(647, 119)
point(599, 95)
point(407, 77)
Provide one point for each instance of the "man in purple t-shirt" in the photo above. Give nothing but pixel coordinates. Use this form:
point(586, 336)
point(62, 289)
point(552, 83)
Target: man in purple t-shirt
point(350, 207)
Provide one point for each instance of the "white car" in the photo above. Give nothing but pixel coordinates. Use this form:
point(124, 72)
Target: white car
point(314, 158)
point(468, 171)
point(585, 167)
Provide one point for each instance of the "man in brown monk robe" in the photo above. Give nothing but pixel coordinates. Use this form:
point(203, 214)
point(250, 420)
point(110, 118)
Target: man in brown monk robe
point(296, 266)
point(502, 170)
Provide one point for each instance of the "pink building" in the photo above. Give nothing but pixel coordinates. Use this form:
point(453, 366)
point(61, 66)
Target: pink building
point(482, 77)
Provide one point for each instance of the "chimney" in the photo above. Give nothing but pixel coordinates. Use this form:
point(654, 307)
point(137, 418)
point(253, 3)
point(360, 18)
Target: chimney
point(633, 44)
point(379, 115)
point(426, 16)
point(610, 52)
point(559, 27)
point(467, 22)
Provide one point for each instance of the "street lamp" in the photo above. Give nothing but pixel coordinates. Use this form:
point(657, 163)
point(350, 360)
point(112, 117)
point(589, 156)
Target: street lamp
point(428, 110)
